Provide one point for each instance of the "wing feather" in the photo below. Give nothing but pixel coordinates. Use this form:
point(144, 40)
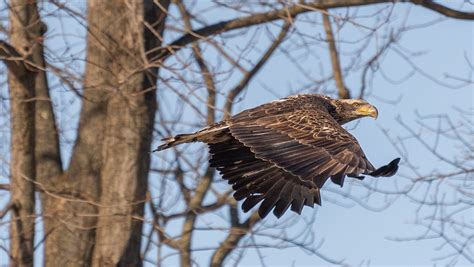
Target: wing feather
point(273, 196)
point(257, 180)
point(297, 203)
point(285, 200)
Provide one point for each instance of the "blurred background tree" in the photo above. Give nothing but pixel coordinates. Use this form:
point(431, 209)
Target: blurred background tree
point(89, 88)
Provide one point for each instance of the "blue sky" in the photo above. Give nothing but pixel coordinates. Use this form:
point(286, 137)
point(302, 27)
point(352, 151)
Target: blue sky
point(353, 233)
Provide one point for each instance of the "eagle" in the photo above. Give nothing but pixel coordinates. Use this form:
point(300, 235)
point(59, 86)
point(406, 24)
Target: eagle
point(281, 153)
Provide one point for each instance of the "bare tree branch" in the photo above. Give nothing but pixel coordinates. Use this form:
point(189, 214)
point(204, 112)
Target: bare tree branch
point(236, 233)
point(343, 92)
point(12, 58)
point(5, 187)
point(255, 19)
point(5, 210)
point(371, 62)
point(448, 12)
point(190, 220)
point(206, 74)
point(233, 93)
point(163, 237)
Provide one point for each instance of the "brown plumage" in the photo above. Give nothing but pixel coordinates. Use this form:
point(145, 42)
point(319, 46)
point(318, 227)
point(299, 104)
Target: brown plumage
point(282, 153)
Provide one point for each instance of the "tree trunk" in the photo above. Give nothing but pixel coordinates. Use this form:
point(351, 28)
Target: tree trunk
point(128, 133)
point(21, 82)
point(79, 186)
point(47, 152)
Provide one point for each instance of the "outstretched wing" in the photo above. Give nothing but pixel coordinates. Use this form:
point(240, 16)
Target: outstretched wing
point(282, 153)
point(307, 142)
point(257, 180)
point(288, 155)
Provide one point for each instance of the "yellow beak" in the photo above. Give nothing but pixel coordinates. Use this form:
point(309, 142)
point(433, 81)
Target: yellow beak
point(368, 110)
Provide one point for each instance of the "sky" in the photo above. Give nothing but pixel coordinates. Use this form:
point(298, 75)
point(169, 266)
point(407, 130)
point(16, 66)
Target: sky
point(353, 233)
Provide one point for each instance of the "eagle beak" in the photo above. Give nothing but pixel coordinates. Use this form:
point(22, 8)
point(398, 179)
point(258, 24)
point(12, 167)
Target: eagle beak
point(368, 110)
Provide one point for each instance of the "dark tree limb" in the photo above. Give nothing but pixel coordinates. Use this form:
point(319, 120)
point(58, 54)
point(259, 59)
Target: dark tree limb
point(343, 92)
point(446, 11)
point(259, 18)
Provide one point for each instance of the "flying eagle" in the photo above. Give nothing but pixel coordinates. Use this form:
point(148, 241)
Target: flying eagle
point(283, 152)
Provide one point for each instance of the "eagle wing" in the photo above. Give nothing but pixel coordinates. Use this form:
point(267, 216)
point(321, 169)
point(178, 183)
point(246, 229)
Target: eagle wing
point(283, 153)
point(307, 142)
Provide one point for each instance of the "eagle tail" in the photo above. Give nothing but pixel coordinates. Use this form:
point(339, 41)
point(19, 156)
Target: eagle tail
point(174, 141)
point(214, 133)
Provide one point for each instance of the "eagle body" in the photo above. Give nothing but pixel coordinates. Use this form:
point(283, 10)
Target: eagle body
point(281, 153)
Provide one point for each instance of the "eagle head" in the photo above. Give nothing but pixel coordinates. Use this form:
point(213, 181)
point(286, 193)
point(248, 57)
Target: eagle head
point(347, 110)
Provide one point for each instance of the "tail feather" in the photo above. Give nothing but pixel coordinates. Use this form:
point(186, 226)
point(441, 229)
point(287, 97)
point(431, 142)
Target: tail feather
point(214, 133)
point(174, 141)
